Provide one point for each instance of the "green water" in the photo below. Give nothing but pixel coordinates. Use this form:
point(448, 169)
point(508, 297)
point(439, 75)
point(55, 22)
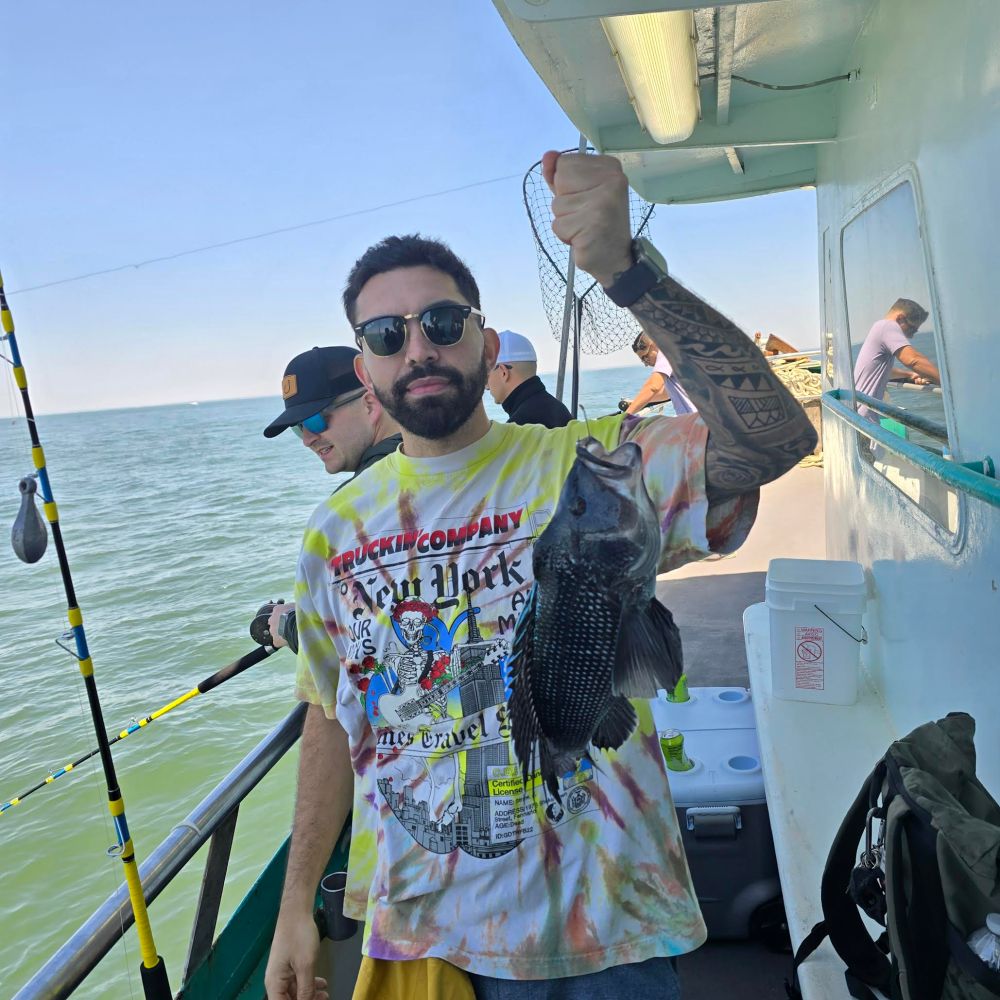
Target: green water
point(179, 522)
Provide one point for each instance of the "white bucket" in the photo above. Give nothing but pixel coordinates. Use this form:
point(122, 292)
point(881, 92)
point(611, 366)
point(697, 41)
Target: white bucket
point(815, 608)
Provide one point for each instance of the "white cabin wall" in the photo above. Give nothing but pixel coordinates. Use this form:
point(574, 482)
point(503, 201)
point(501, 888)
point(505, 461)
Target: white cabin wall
point(929, 95)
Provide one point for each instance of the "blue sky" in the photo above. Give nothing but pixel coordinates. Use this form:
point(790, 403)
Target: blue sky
point(140, 131)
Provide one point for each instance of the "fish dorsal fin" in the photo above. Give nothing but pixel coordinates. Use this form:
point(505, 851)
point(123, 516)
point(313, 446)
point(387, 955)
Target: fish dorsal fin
point(525, 727)
point(616, 727)
point(649, 652)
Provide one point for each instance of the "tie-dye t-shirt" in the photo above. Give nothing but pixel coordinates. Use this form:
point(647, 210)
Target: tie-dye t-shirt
point(410, 582)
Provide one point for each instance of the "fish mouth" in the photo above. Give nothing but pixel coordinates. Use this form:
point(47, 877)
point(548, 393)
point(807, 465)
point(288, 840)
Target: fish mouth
point(591, 452)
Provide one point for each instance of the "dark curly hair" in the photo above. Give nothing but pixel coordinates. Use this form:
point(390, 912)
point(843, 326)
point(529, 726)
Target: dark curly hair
point(408, 251)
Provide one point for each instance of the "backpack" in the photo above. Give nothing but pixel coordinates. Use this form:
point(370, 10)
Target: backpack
point(929, 872)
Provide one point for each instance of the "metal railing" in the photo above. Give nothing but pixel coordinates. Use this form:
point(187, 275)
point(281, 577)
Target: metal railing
point(968, 478)
point(913, 420)
point(215, 818)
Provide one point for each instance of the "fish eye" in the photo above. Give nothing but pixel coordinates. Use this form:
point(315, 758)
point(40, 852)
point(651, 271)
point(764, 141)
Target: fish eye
point(578, 506)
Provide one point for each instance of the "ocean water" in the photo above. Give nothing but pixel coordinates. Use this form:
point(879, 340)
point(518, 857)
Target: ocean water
point(179, 521)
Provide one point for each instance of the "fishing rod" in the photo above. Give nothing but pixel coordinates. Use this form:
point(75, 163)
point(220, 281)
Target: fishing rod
point(152, 970)
point(219, 677)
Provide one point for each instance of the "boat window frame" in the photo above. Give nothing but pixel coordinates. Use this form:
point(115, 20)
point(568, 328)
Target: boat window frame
point(954, 541)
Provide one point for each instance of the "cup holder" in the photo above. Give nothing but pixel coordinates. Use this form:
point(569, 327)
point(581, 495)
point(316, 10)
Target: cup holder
point(743, 764)
point(733, 696)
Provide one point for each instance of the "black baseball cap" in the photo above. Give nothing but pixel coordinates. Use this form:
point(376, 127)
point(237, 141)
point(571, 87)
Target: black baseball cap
point(312, 381)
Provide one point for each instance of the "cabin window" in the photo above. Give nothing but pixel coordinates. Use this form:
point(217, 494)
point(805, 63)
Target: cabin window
point(895, 346)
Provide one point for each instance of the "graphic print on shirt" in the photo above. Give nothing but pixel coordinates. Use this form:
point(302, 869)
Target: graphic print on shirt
point(435, 690)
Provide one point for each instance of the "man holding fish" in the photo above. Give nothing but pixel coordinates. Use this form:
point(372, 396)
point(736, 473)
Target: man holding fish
point(525, 833)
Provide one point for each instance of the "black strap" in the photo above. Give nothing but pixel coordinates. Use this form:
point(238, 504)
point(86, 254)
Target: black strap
point(847, 930)
point(858, 989)
point(866, 963)
point(809, 944)
point(855, 986)
point(632, 284)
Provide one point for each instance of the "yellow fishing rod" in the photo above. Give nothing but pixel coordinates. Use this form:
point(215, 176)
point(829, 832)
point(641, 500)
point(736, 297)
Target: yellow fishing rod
point(220, 676)
point(153, 971)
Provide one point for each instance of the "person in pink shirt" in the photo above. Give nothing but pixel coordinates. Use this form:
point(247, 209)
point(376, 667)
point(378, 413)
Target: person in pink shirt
point(661, 386)
point(889, 341)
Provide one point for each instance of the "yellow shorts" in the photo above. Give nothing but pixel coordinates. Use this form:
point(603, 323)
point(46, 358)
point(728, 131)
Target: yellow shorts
point(421, 979)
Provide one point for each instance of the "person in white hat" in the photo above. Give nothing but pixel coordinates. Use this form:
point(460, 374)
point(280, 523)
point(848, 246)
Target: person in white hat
point(514, 384)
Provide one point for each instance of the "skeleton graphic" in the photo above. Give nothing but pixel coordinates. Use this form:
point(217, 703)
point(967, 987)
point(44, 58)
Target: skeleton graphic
point(413, 656)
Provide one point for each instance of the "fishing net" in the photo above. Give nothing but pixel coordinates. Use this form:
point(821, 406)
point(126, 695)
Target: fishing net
point(603, 326)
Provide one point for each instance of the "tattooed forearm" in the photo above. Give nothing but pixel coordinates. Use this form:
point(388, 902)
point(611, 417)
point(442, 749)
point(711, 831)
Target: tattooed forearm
point(757, 431)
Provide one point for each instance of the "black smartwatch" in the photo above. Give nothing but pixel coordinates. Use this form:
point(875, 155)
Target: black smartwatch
point(648, 270)
point(288, 629)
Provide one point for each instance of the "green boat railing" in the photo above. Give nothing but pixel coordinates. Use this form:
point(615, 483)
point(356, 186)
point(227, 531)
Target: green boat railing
point(913, 420)
point(975, 479)
point(216, 969)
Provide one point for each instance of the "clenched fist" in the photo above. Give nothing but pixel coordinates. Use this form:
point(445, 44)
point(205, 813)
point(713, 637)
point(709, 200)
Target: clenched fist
point(590, 209)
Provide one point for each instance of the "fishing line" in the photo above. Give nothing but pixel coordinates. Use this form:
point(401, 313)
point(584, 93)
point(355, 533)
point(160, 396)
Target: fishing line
point(261, 652)
point(155, 982)
point(264, 235)
point(13, 403)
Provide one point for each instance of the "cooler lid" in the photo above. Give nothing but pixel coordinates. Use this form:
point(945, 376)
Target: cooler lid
point(727, 769)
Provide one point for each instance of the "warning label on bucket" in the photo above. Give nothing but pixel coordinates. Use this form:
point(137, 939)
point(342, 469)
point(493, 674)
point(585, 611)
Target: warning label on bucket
point(809, 658)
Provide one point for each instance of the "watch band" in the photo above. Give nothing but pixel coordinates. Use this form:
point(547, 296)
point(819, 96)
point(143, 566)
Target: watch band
point(632, 284)
point(288, 630)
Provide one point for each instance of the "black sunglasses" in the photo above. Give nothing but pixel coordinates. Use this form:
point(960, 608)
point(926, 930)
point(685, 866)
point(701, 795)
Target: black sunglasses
point(442, 325)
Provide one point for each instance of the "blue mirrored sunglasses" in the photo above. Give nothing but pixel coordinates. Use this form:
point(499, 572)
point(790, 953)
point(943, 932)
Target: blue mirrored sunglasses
point(318, 422)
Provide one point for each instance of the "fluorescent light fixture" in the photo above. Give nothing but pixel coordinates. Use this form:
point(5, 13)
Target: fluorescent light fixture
point(657, 59)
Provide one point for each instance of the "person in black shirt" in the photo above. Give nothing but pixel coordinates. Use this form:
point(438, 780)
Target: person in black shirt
point(515, 386)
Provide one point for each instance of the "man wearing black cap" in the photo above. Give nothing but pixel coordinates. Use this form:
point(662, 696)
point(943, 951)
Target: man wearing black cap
point(330, 410)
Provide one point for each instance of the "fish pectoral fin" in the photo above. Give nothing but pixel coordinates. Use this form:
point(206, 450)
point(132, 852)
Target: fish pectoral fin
point(617, 726)
point(649, 653)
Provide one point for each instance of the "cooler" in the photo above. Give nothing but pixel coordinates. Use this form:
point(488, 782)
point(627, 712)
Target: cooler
point(722, 811)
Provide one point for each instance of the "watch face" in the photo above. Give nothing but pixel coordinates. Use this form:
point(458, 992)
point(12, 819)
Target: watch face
point(644, 250)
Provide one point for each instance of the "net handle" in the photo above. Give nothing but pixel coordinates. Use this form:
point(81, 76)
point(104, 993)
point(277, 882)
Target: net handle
point(568, 308)
point(539, 242)
point(550, 259)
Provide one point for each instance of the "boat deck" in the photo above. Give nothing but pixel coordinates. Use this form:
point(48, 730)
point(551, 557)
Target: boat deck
point(708, 599)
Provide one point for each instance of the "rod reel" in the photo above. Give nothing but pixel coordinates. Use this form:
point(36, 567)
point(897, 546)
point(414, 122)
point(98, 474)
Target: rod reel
point(259, 630)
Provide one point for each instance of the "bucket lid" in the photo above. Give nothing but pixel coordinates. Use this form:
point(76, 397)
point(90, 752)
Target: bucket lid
point(816, 575)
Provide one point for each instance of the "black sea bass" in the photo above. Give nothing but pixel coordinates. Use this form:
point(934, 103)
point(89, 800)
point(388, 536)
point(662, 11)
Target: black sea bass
point(592, 634)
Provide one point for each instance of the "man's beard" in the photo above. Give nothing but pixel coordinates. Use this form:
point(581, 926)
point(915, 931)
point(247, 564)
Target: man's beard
point(437, 416)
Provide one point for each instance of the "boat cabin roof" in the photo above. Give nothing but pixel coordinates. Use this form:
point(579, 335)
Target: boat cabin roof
point(748, 139)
